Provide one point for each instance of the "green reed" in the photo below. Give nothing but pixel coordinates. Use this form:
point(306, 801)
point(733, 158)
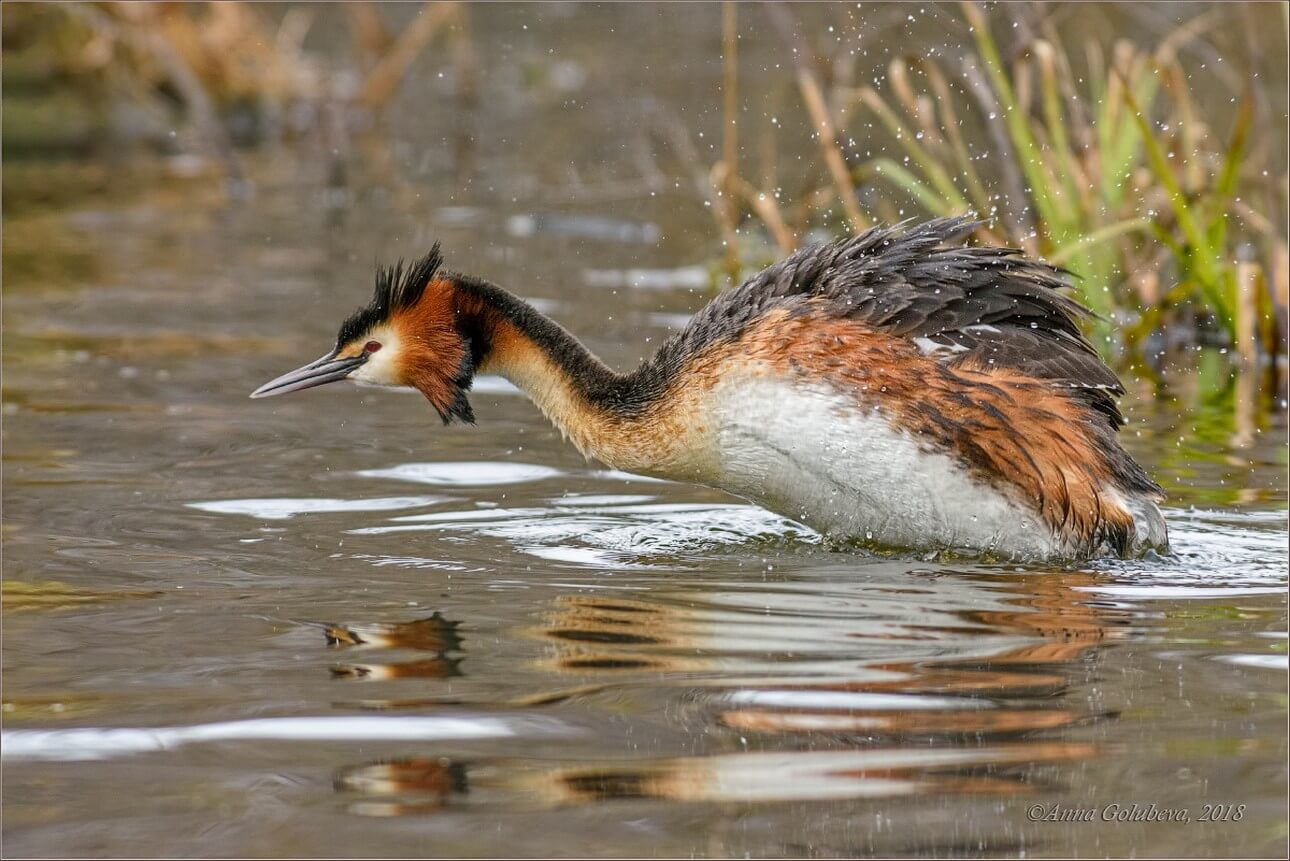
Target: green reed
point(1113, 173)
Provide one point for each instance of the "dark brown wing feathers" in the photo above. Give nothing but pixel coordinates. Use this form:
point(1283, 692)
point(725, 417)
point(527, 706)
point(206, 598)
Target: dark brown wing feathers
point(987, 307)
point(917, 282)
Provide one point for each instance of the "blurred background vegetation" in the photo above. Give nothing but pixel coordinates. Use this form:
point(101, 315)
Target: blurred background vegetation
point(1143, 149)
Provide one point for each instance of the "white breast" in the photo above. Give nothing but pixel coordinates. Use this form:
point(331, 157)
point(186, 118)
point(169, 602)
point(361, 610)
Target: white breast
point(813, 454)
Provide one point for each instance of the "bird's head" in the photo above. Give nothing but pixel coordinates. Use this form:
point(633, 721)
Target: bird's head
point(412, 334)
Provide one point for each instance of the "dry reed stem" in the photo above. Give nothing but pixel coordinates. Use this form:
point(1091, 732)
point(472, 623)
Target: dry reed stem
point(1281, 278)
point(816, 105)
point(767, 209)
point(371, 39)
point(1245, 405)
point(383, 81)
point(724, 175)
point(1248, 276)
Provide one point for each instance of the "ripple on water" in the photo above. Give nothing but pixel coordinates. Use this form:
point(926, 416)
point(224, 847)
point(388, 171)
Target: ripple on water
point(284, 508)
point(464, 474)
point(1218, 557)
point(589, 529)
point(1215, 555)
point(420, 786)
point(849, 700)
point(93, 743)
point(608, 534)
point(1266, 662)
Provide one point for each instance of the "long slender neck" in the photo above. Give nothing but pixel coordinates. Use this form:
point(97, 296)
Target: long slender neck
point(591, 404)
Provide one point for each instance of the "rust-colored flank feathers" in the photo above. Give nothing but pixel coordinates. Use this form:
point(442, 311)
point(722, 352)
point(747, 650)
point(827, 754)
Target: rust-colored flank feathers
point(956, 372)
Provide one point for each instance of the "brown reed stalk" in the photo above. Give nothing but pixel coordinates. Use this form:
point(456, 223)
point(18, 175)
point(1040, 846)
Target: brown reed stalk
point(825, 131)
point(383, 81)
point(725, 174)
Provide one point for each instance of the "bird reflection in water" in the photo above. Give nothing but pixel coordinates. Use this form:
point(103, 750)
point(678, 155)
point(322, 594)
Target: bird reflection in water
point(433, 634)
point(960, 688)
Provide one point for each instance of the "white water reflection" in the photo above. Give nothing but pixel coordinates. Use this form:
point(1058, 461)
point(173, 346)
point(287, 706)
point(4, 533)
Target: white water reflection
point(680, 278)
point(593, 499)
point(1161, 591)
point(489, 384)
point(475, 474)
point(93, 743)
point(1266, 662)
point(285, 508)
point(830, 699)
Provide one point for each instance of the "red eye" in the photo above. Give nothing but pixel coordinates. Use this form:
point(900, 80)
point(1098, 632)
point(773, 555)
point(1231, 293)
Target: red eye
point(371, 346)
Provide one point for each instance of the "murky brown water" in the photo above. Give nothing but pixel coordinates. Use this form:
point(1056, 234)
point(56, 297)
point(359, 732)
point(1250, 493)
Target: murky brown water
point(324, 625)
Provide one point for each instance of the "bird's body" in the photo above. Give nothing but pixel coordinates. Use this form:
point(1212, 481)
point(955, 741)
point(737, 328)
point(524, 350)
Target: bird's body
point(896, 389)
point(811, 453)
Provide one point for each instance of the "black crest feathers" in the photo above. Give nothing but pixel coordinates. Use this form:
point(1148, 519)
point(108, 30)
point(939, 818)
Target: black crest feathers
point(398, 288)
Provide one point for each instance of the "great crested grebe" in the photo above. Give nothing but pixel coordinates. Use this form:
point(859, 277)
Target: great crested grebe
point(896, 388)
